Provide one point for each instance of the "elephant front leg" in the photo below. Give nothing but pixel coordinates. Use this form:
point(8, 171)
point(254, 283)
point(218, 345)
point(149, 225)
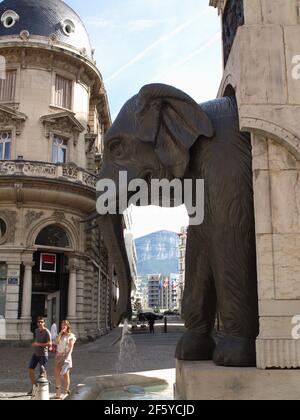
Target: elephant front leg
point(199, 302)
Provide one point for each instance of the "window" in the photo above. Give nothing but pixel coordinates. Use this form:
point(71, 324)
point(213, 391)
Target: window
point(8, 86)
point(59, 150)
point(5, 145)
point(9, 18)
point(68, 26)
point(63, 92)
point(3, 278)
point(3, 228)
point(53, 235)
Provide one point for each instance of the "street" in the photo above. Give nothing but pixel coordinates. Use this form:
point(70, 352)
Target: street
point(141, 353)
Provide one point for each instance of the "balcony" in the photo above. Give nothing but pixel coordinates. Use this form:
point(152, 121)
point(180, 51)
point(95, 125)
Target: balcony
point(34, 169)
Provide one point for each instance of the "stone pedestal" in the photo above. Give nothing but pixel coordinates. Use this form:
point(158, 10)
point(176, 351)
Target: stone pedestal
point(205, 381)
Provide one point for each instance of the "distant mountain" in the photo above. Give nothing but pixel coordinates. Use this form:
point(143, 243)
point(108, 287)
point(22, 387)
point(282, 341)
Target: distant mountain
point(157, 253)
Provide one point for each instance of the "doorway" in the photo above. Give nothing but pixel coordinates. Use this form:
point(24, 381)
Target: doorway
point(49, 289)
point(52, 309)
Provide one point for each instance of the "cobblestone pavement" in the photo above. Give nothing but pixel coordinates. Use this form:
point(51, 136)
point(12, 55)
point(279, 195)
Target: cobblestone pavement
point(102, 357)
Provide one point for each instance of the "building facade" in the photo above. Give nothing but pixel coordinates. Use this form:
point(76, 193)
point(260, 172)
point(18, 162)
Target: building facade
point(53, 114)
point(262, 69)
point(182, 252)
point(162, 291)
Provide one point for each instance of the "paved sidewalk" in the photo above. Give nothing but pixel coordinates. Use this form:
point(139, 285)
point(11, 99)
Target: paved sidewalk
point(102, 357)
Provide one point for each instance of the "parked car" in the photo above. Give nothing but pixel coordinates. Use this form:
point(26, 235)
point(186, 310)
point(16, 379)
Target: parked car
point(171, 313)
point(146, 316)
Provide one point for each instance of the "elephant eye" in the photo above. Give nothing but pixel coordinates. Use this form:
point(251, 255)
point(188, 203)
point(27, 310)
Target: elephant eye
point(116, 149)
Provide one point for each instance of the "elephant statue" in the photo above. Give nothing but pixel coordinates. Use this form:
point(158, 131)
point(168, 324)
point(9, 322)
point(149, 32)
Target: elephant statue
point(163, 133)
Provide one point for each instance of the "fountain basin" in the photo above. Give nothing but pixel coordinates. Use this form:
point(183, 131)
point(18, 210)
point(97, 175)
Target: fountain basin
point(128, 386)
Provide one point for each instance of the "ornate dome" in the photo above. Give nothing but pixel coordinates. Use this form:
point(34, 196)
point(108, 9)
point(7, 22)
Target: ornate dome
point(44, 18)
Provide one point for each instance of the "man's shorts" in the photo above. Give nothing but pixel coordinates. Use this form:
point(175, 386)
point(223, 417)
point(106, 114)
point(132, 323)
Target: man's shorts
point(35, 360)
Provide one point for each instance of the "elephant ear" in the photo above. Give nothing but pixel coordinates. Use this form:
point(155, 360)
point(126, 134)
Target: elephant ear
point(172, 121)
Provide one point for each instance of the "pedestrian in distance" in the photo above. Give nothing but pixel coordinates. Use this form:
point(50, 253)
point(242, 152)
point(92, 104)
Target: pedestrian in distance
point(54, 334)
point(63, 361)
point(151, 325)
point(42, 341)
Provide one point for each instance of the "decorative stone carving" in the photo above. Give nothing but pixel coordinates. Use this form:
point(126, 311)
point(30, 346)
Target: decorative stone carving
point(10, 219)
point(47, 170)
point(24, 35)
point(53, 38)
point(23, 59)
point(12, 117)
point(19, 193)
point(89, 180)
point(76, 222)
point(90, 140)
point(32, 216)
point(59, 215)
point(63, 123)
point(70, 171)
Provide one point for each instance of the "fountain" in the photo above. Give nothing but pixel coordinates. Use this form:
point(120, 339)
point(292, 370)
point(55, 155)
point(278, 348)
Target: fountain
point(127, 361)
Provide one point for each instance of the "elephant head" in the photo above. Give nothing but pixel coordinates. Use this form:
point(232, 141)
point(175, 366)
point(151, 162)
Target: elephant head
point(150, 139)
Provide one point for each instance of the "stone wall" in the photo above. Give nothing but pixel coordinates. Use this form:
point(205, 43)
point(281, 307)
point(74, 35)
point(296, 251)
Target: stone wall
point(263, 69)
point(277, 212)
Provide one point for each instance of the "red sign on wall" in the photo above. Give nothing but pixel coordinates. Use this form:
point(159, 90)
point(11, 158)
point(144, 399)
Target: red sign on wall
point(48, 263)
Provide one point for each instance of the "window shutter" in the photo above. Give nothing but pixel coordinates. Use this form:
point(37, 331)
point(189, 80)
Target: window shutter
point(8, 86)
point(63, 92)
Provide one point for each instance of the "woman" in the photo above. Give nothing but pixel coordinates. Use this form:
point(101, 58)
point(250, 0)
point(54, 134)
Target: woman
point(63, 362)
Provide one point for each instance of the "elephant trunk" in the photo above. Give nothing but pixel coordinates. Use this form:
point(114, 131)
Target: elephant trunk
point(112, 232)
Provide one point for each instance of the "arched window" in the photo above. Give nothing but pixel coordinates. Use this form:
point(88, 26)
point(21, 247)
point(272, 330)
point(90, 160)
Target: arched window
point(3, 228)
point(53, 236)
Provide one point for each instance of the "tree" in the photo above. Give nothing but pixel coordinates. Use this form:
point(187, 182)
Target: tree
point(137, 305)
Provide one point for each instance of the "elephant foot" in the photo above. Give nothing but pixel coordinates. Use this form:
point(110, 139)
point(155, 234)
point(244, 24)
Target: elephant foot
point(195, 346)
point(235, 352)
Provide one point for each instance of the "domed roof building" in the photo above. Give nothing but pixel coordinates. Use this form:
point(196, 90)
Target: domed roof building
point(45, 18)
point(53, 115)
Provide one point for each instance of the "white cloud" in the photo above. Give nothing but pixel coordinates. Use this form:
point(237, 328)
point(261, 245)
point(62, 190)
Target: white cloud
point(158, 219)
point(136, 25)
point(140, 25)
point(186, 59)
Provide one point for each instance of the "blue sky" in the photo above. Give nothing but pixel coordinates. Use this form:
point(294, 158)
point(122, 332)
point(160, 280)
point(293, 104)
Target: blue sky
point(177, 42)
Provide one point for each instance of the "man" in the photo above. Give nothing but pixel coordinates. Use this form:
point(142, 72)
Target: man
point(41, 343)
point(151, 325)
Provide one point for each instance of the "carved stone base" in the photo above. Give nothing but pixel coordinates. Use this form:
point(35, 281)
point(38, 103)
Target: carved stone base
point(205, 381)
point(278, 353)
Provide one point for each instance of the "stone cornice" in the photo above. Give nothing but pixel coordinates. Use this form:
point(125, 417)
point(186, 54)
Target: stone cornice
point(67, 115)
point(64, 123)
point(10, 116)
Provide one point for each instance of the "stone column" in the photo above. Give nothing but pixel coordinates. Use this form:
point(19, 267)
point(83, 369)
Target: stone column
point(80, 300)
point(72, 290)
point(27, 291)
point(276, 184)
point(25, 322)
point(12, 298)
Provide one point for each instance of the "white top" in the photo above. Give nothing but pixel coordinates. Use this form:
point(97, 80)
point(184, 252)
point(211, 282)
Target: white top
point(65, 344)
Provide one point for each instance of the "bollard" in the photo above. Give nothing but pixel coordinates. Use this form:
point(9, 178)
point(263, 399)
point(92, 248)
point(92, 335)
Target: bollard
point(41, 391)
point(166, 324)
